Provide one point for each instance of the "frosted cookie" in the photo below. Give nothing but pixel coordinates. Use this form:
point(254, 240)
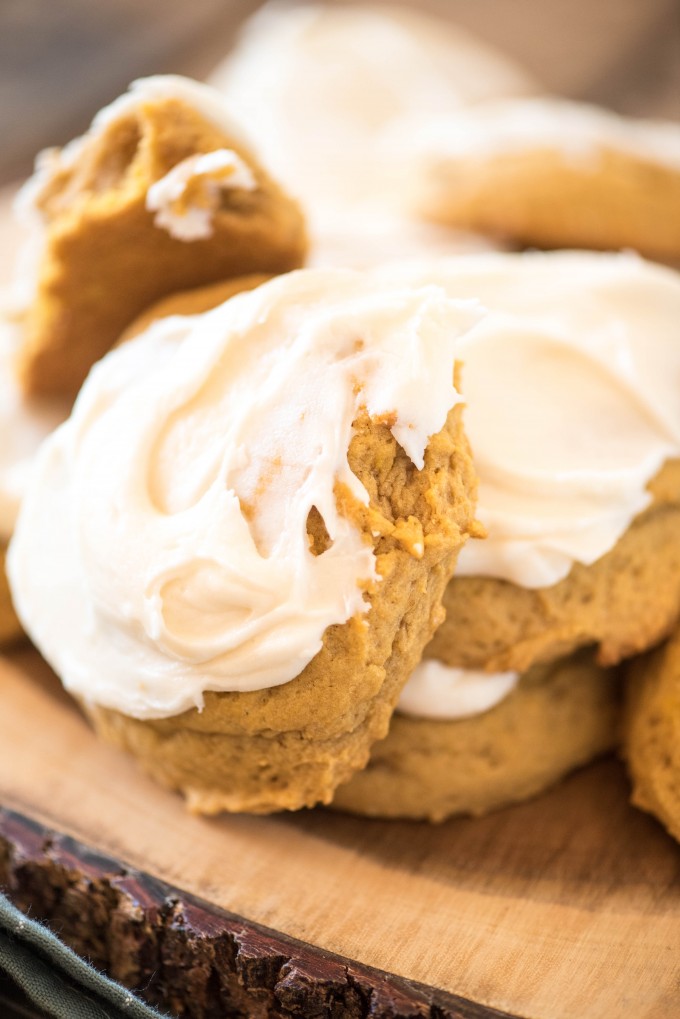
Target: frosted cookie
point(160, 195)
point(257, 510)
point(465, 743)
point(549, 173)
point(625, 602)
point(573, 415)
point(370, 65)
point(651, 742)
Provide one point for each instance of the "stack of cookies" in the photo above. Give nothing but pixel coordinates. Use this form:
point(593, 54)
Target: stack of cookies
point(377, 538)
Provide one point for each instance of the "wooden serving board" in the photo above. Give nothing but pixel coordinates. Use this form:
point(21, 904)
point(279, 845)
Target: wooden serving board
point(568, 906)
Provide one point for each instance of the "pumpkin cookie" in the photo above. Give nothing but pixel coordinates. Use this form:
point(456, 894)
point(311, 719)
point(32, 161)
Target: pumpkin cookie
point(651, 735)
point(549, 173)
point(192, 302)
point(558, 717)
point(625, 602)
point(257, 509)
point(161, 194)
point(573, 414)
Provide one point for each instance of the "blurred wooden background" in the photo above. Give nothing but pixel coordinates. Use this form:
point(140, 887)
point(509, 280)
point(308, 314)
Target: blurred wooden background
point(60, 60)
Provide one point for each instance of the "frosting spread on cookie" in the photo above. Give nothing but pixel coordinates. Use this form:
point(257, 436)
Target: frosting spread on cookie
point(572, 386)
point(186, 199)
point(23, 426)
point(440, 691)
point(577, 130)
point(318, 85)
point(170, 511)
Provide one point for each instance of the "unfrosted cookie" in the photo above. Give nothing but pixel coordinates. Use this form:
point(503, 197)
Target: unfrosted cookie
point(651, 733)
point(625, 602)
point(548, 173)
point(270, 505)
point(162, 194)
point(192, 302)
point(558, 717)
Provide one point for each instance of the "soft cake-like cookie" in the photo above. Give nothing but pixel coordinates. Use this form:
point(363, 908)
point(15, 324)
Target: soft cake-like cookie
point(651, 742)
point(558, 717)
point(554, 174)
point(161, 194)
point(624, 602)
point(257, 511)
point(573, 414)
point(192, 302)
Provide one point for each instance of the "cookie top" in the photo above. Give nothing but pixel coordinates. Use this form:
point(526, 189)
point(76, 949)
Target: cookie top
point(370, 65)
point(571, 385)
point(579, 131)
point(547, 173)
point(173, 509)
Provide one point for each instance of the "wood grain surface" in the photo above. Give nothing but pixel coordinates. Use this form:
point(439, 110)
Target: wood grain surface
point(568, 906)
point(189, 957)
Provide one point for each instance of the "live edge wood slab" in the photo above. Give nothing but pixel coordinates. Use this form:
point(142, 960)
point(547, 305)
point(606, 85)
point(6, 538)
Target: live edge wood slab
point(567, 907)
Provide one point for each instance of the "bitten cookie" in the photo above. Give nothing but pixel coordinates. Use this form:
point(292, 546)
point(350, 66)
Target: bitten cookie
point(162, 194)
point(558, 717)
point(257, 509)
point(553, 174)
point(573, 415)
point(651, 733)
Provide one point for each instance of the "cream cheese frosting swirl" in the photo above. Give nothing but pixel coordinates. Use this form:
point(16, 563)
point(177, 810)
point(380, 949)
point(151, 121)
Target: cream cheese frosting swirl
point(572, 386)
point(162, 549)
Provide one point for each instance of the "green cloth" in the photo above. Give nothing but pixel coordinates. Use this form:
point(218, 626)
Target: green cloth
point(55, 979)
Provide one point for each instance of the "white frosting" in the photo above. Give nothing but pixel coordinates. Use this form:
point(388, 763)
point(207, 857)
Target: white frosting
point(186, 199)
point(161, 550)
point(23, 426)
point(572, 387)
point(374, 239)
point(579, 131)
point(440, 691)
point(320, 83)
